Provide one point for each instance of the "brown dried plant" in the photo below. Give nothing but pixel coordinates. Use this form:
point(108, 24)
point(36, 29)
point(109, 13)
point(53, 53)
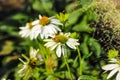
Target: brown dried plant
point(108, 25)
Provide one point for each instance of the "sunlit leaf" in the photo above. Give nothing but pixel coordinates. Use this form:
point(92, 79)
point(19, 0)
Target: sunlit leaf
point(87, 77)
point(7, 48)
point(83, 26)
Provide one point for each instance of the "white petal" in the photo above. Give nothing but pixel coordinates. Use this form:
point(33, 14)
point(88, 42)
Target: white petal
point(110, 66)
point(47, 40)
point(49, 29)
point(35, 22)
point(25, 33)
point(58, 51)
point(33, 52)
point(67, 34)
point(113, 60)
point(57, 28)
point(54, 46)
point(118, 76)
point(22, 69)
point(42, 36)
point(49, 44)
point(23, 27)
point(112, 72)
point(71, 45)
point(53, 28)
point(55, 21)
point(40, 16)
point(63, 50)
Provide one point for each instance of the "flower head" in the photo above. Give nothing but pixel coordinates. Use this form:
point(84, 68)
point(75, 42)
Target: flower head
point(28, 66)
point(114, 67)
point(46, 26)
point(112, 54)
point(63, 17)
point(27, 31)
point(60, 42)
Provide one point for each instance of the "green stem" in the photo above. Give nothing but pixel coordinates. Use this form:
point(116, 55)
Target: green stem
point(40, 47)
point(63, 27)
point(80, 60)
point(68, 68)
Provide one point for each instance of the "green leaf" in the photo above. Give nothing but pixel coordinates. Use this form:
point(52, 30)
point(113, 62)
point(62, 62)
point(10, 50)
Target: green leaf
point(95, 46)
point(7, 48)
point(112, 53)
point(75, 63)
point(88, 55)
point(86, 77)
point(51, 77)
point(73, 17)
point(84, 48)
point(19, 16)
point(83, 26)
point(37, 6)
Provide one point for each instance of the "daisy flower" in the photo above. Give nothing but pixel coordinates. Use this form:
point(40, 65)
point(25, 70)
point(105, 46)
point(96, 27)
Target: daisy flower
point(28, 66)
point(60, 42)
point(46, 26)
point(27, 31)
point(114, 67)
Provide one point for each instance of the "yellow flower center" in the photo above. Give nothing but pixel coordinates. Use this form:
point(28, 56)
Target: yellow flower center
point(30, 25)
point(60, 38)
point(119, 61)
point(33, 62)
point(44, 20)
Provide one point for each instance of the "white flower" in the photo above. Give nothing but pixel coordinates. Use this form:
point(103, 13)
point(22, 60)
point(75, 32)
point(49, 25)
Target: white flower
point(27, 31)
point(60, 43)
point(46, 26)
point(28, 66)
point(114, 67)
point(33, 53)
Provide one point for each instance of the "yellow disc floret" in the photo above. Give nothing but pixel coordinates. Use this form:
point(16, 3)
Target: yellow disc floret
point(119, 61)
point(30, 25)
point(60, 38)
point(44, 20)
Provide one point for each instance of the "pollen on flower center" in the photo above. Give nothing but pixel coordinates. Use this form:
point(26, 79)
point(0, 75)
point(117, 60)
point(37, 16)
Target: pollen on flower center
point(30, 25)
point(44, 20)
point(119, 62)
point(60, 38)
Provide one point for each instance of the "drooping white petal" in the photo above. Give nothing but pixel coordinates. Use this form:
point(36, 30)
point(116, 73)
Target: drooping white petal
point(118, 76)
point(63, 50)
point(54, 46)
point(67, 34)
point(58, 51)
point(112, 72)
point(70, 44)
point(36, 22)
point(22, 69)
point(113, 60)
point(110, 66)
point(56, 22)
point(23, 27)
point(33, 52)
point(25, 33)
point(40, 16)
point(49, 44)
point(47, 40)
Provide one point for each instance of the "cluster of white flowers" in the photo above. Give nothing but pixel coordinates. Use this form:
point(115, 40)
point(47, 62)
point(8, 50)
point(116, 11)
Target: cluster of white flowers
point(114, 67)
point(48, 30)
point(44, 27)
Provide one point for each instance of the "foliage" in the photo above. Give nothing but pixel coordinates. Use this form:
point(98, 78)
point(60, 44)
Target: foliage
point(26, 59)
